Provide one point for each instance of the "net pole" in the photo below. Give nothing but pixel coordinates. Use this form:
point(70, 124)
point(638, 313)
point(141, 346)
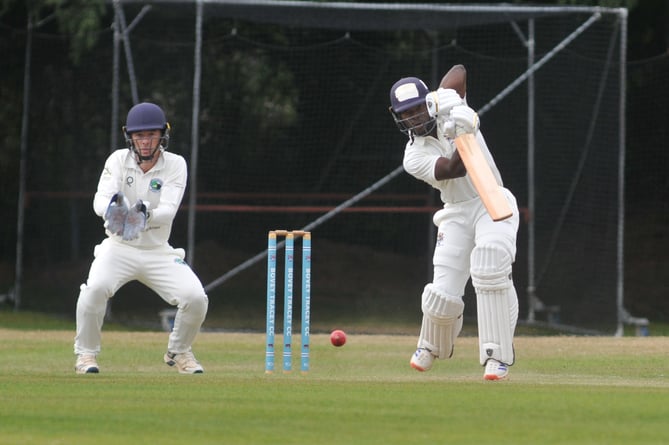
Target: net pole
point(559, 47)
point(195, 132)
point(531, 205)
point(620, 260)
point(128, 52)
point(116, 63)
point(25, 116)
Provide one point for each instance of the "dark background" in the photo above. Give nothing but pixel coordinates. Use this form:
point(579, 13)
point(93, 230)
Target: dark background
point(65, 158)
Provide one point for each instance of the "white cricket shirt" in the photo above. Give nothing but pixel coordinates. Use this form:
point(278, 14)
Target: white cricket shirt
point(161, 189)
point(421, 156)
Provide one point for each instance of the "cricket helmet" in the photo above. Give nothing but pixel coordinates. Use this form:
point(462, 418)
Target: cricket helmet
point(407, 93)
point(146, 116)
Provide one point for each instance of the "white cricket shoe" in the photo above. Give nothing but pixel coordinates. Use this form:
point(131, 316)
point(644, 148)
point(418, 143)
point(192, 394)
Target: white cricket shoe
point(86, 364)
point(422, 359)
point(185, 362)
point(495, 370)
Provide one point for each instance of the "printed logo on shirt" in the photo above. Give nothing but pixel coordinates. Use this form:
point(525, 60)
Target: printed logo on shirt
point(129, 180)
point(155, 185)
point(440, 239)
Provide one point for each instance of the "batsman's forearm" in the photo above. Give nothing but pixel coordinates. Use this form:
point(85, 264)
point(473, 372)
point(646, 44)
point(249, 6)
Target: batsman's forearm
point(446, 168)
point(456, 79)
point(459, 167)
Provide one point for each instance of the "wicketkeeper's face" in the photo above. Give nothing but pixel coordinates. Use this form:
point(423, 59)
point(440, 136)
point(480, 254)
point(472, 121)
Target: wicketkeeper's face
point(146, 141)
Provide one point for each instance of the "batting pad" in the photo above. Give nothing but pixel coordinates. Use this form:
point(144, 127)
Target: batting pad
point(497, 314)
point(442, 322)
point(497, 303)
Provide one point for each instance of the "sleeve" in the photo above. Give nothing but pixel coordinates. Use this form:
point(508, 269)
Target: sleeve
point(109, 184)
point(420, 164)
point(171, 194)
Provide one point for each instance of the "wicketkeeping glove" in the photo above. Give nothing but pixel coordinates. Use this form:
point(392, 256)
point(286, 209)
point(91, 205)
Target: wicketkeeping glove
point(135, 222)
point(116, 214)
point(440, 102)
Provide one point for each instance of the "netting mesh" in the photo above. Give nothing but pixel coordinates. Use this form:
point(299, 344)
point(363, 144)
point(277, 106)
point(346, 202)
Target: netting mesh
point(293, 121)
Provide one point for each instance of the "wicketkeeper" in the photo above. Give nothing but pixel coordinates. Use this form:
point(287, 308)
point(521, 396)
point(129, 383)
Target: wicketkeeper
point(469, 243)
point(138, 195)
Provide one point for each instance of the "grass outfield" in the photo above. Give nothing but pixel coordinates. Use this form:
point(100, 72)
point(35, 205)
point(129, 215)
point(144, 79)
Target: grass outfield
point(562, 390)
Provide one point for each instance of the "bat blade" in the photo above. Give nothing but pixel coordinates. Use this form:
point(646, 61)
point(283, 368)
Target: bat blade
point(482, 177)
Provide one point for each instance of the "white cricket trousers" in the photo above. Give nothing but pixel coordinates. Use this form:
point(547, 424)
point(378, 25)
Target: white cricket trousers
point(462, 227)
point(161, 269)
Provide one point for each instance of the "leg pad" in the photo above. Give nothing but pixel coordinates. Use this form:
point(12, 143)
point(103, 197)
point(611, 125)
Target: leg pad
point(496, 300)
point(442, 321)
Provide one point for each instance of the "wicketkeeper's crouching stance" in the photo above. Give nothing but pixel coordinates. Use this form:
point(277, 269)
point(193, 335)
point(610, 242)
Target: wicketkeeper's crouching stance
point(469, 242)
point(138, 195)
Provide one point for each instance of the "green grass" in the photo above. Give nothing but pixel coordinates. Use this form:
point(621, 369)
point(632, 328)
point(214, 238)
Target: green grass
point(29, 320)
point(562, 390)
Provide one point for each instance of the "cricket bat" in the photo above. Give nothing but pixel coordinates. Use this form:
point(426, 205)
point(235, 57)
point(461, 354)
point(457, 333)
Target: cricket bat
point(482, 177)
point(475, 162)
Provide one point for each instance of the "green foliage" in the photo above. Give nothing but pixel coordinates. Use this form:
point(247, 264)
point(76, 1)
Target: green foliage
point(80, 21)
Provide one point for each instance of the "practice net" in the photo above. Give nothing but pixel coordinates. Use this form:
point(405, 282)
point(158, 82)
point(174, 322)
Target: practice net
point(293, 121)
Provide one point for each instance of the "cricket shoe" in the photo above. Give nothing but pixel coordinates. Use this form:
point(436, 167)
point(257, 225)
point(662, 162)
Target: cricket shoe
point(422, 360)
point(86, 364)
point(185, 362)
point(495, 370)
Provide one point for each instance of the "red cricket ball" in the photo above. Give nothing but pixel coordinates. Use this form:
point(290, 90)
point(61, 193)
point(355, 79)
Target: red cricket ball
point(338, 337)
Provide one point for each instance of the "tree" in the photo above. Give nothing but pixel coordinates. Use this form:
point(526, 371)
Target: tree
point(78, 20)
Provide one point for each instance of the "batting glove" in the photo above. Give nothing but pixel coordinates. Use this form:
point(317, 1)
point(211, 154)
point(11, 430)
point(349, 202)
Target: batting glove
point(448, 128)
point(441, 101)
point(466, 120)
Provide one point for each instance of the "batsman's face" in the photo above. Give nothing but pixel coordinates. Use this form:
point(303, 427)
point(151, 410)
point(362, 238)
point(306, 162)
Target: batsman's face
point(417, 120)
point(146, 141)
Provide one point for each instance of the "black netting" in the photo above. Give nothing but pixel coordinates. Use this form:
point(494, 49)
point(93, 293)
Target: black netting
point(293, 121)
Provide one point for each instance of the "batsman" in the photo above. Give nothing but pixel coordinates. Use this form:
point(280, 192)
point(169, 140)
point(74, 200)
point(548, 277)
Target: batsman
point(472, 242)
